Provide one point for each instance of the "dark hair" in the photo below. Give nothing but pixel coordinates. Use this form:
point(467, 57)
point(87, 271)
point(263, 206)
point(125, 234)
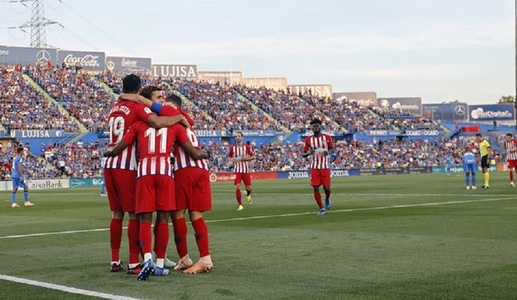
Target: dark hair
point(479, 134)
point(19, 149)
point(316, 121)
point(174, 99)
point(131, 84)
point(509, 134)
point(148, 90)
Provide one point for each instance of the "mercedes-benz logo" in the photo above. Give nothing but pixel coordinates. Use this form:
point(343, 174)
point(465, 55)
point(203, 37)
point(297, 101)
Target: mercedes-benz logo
point(459, 110)
point(43, 56)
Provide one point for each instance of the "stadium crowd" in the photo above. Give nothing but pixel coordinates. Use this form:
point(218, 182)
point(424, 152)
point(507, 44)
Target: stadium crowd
point(84, 99)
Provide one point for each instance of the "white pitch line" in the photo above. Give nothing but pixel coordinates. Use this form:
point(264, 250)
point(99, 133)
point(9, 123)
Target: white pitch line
point(278, 216)
point(64, 288)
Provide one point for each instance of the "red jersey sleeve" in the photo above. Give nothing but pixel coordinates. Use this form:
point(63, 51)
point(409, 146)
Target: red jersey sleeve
point(231, 154)
point(306, 145)
point(131, 134)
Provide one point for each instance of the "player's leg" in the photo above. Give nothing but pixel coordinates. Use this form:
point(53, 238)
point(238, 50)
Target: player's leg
point(247, 183)
point(238, 195)
point(201, 234)
point(13, 195)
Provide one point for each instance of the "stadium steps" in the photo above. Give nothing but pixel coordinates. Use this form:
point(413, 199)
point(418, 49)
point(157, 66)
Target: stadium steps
point(63, 110)
point(107, 88)
point(328, 117)
point(184, 99)
point(256, 108)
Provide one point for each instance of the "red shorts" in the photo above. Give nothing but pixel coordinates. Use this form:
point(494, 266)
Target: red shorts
point(244, 177)
point(155, 192)
point(320, 177)
point(193, 190)
point(512, 164)
point(120, 185)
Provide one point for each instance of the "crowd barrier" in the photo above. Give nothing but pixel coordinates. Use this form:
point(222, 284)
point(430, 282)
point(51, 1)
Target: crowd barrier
point(66, 183)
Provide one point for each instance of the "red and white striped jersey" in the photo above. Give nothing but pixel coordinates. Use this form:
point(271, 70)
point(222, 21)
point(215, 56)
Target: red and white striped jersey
point(508, 146)
point(121, 117)
point(320, 145)
point(154, 147)
point(182, 159)
point(239, 151)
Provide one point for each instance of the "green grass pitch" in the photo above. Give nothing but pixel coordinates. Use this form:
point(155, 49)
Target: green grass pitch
point(386, 237)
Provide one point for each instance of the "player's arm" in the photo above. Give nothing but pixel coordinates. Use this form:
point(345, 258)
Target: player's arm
point(231, 156)
point(249, 157)
point(193, 152)
point(162, 121)
point(307, 150)
point(115, 150)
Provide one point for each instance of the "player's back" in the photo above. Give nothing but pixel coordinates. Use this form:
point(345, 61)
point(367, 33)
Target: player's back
point(121, 117)
point(17, 160)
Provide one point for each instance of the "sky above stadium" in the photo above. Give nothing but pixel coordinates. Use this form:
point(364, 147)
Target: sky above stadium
point(439, 50)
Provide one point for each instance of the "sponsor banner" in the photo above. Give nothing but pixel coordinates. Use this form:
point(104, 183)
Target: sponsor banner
point(344, 172)
point(27, 56)
point(270, 83)
point(320, 90)
point(494, 112)
point(362, 98)
point(406, 105)
point(446, 112)
point(226, 133)
point(432, 133)
point(174, 71)
point(128, 65)
point(42, 184)
point(294, 174)
point(89, 61)
point(459, 169)
point(37, 133)
point(395, 170)
point(86, 182)
point(226, 176)
point(332, 133)
point(223, 77)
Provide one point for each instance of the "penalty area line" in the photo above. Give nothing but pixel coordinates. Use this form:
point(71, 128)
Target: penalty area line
point(64, 288)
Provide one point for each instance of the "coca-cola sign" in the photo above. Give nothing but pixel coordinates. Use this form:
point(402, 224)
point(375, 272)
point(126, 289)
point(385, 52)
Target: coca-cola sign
point(90, 61)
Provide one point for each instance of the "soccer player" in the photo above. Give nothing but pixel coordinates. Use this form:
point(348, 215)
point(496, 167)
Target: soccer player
point(469, 166)
point(103, 187)
point(240, 155)
point(318, 146)
point(120, 172)
point(448, 164)
point(154, 186)
point(484, 150)
point(19, 180)
point(193, 192)
point(510, 146)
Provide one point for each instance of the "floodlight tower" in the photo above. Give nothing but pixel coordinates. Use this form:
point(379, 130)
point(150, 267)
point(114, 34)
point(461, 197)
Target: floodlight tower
point(37, 24)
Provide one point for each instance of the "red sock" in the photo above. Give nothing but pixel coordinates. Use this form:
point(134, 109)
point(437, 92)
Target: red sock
point(115, 238)
point(238, 196)
point(146, 238)
point(511, 175)
point(327, 194)
point(201, 234)
point(155, 229)
point(317, 197)
point(161, 239)
point(133, 237)
point(180, 236)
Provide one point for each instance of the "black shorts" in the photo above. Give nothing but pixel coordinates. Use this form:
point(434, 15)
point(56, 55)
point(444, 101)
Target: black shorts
point(485, 162)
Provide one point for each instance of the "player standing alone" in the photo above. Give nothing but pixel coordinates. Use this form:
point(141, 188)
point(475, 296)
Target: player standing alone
point(319, 145)
point(241, 154)
point(510, 146)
